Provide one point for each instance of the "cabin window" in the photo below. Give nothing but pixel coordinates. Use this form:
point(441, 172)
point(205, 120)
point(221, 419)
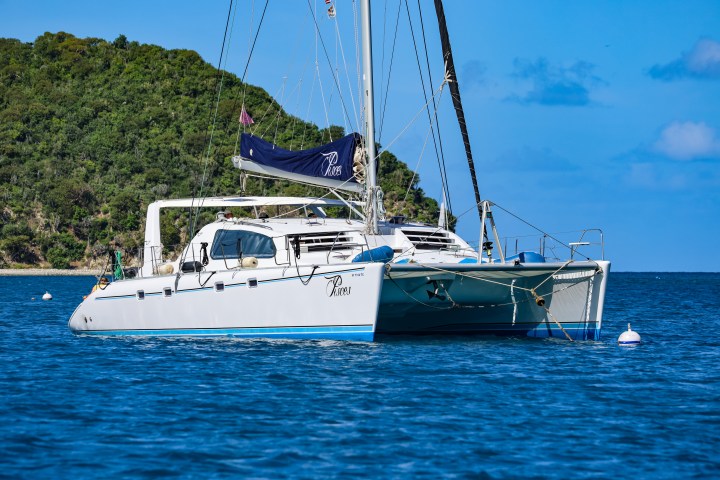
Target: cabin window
point(141, 294)
point(325, 241)
point(167, 291)
point(237, 243)
point(219, 286)
point(429, 239)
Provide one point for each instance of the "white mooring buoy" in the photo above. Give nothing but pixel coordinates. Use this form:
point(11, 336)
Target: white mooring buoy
point(629, 338)
point(47, 296)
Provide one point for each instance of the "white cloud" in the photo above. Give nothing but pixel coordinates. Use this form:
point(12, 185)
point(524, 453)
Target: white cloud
point(704, 59)
point(688, 141)
point(652, 176)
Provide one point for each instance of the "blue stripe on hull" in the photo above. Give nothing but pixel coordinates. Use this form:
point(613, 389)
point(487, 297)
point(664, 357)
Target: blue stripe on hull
point(358, 333)
point(577, 331)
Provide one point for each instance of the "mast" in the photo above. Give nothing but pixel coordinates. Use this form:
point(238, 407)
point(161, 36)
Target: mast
point(455, 94)
point(369, 99)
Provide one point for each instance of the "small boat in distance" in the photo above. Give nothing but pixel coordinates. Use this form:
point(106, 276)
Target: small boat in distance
point(293, 267)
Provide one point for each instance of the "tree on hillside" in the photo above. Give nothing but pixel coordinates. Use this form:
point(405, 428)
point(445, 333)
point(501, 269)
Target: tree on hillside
point(92, 131)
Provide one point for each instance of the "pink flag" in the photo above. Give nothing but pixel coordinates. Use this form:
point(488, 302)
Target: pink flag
point(245, 119)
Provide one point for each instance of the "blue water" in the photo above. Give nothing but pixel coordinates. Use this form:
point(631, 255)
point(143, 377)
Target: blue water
point(83, 407)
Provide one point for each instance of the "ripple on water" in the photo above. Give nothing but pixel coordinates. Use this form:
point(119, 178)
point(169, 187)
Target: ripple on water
point(400, 407)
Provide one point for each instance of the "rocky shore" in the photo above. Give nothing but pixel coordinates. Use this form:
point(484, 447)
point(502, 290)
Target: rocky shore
point(45, 272)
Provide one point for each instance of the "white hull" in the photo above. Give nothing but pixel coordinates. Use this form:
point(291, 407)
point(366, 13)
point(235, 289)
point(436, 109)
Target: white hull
point(495, 299)
point(432, 285)
point(338, 302)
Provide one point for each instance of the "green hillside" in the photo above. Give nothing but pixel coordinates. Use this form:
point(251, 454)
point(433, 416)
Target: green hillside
point(92, 131)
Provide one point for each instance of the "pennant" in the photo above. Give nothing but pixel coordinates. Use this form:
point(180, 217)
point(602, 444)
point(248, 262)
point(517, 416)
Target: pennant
point(245, 119)
point(331, 11)
point(328, 2)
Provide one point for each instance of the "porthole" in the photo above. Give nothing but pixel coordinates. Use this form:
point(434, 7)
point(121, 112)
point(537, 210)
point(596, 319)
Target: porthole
point(252, 282)
point(141, 294)
point(219, 286)
point(167, 291)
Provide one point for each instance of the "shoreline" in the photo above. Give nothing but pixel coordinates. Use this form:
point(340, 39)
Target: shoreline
point(47, 272)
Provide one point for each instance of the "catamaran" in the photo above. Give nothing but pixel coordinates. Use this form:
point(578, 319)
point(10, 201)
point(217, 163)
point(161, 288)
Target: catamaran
point(289, 269)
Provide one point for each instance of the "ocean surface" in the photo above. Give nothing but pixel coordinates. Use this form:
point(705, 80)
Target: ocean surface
point(407, 407)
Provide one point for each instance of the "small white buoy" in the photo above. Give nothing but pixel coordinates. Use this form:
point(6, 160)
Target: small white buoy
point(629, 338)
point(47, 296)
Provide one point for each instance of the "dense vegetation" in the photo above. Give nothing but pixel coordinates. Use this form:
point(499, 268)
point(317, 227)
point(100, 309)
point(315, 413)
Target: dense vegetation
point(92, 131)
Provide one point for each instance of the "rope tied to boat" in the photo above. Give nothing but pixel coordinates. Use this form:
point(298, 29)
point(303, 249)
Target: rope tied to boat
point(538, 298)
point(540, 301)
point(553, 274)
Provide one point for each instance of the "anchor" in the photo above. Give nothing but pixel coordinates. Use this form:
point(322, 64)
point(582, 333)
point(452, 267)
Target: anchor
point(434, 293)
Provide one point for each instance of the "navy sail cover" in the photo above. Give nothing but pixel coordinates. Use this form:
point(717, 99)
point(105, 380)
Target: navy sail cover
point(333, 160)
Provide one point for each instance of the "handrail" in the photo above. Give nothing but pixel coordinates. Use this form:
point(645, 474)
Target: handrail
point(546, 249)
point(602, 239)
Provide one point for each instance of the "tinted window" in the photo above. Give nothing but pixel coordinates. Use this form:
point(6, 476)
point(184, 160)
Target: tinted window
point(230, 243)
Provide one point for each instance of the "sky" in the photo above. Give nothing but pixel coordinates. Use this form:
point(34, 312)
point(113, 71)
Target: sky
point(582, 115)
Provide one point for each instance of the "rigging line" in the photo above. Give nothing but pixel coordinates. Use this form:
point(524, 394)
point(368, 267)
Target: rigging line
point(307, 112)
point(553, 273)
point(443, 177)
point(417, 166)
point(465, 212)
point(336, 73)
point(382, 57)
point(476, 277)
point(250, 29)
point(480, 278)
point(318, 76)
point(557, 322)
point(541, 231)
point(327, 57)
point(247, 64)
point(456, 305)
point(294, 117)
point(252, 48)
point(219, 76)
point(437, 120)
point(266, 112)
point(277, 115)
point(414, 118)
point(314, 200)
point(324, 103)
point(213, 113)
point(509, 237)
point(457, 103)
point(241, 126)
point(347, 75)
point(527, 300)
point(282, 104)
point(387, 88)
